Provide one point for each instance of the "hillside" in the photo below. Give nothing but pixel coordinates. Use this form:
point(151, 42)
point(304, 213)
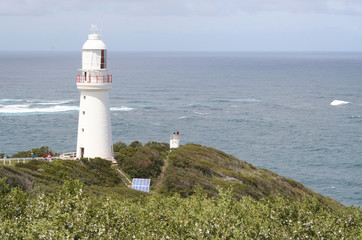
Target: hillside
point(182, 171)
point(38, 176)
point(197, 193)
point(194, 166)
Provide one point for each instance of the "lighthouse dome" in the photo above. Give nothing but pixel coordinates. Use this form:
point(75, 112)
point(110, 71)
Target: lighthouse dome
point(94, 42)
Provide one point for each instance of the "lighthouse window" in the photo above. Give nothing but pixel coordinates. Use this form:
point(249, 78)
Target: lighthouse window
point(84, 97)
point(82, 129)
point(83, 112)
point(103, 65)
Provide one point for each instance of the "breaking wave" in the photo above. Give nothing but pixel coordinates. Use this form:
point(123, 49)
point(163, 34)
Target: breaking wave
point(26, 109)
point(338, 102)
point(55, 102)
point(12, 107)
point(200, 113)
point(122, 109)
point(6, 100)
point(241, 100)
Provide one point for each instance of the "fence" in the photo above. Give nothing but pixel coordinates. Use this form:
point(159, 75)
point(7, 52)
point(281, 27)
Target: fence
point(10, 161)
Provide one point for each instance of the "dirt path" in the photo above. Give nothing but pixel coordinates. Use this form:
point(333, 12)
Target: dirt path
point(160, 178)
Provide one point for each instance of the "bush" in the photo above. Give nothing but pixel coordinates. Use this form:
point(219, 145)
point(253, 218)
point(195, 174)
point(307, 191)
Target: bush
point(140, 162)
point(71, 214)
point(38, 152)
point(4, 187)
point(118, 146)
point(160, 147)
point(102, 169)
point(44, 176)
point(33, 165)
point(135, 144)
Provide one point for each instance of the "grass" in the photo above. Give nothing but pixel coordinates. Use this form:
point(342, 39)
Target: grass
point(12, 162)
point(202, 193)
point(190, 166)
point(39, 176)
point(193, 165)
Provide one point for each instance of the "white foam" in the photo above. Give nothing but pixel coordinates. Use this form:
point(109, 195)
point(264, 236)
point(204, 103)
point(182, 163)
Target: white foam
point(43, 107)
point(338, 102)
point(25, 109)
point(200, 113)
point(60, 102)
point(122, 108)
point(34, 106)
point(14, 106)
point(11, 100)
point(241, 100)
point(246, 100)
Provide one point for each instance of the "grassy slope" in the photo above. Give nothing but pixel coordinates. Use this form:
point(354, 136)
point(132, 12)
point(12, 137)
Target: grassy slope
point(189, 167)
point(40, 176)
point(109, 210)
point(193, 165)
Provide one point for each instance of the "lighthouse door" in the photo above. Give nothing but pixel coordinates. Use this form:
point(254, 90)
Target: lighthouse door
point(81, 152)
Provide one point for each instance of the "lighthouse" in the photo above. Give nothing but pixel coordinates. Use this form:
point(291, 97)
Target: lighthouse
point(94, 83)
point(175, 140)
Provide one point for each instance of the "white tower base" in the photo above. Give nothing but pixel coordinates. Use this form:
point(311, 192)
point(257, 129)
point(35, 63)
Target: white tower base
point(94, 127)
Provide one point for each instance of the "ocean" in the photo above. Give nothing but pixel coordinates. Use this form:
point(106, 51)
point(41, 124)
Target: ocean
point(274, 110)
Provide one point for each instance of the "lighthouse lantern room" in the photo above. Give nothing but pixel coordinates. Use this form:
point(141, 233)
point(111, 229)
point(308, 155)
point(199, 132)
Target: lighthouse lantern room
point(94, 124)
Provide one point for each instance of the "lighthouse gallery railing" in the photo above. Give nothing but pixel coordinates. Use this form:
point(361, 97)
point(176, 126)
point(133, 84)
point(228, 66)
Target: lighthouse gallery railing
point(94, 79)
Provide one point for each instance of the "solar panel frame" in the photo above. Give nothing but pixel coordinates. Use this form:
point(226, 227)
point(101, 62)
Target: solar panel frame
point(141, 184)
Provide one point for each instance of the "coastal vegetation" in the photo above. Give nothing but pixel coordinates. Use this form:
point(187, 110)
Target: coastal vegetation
point(142, 161)
point(38, 152)
point(197, 193)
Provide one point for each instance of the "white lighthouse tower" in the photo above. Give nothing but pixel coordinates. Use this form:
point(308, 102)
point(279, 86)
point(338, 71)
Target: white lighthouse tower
point(94, 124)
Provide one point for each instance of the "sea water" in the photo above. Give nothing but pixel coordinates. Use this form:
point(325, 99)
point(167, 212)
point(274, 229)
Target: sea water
point(297, 114)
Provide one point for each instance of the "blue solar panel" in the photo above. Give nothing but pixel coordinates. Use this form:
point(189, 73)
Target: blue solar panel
point(141, 184)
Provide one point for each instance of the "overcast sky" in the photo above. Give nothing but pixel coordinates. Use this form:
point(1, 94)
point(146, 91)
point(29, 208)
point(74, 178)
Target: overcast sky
point(184, 25)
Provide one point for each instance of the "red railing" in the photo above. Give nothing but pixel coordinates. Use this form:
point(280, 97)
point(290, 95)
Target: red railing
point(94, 79)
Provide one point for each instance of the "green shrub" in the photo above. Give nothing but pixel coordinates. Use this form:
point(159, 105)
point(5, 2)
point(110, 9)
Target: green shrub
point(71, 214)
point(160, 147)
point(4, 187)
point(140, 162)
point(93, 172)
point(33, 165)
point(38, 152)
point(118, 146)
point(135, 144)
point(102, 169)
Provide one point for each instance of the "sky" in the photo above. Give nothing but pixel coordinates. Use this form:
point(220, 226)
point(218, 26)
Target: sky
point(183, 25)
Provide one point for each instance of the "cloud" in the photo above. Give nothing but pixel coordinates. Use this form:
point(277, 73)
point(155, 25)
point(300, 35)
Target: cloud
point(42, 7)
point(180, 7)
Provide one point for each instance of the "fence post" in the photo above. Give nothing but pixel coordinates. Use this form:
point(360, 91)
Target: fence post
point(4, 161)
point(24, 160)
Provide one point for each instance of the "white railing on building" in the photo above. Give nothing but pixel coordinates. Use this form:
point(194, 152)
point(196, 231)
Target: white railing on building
point(94, 79)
